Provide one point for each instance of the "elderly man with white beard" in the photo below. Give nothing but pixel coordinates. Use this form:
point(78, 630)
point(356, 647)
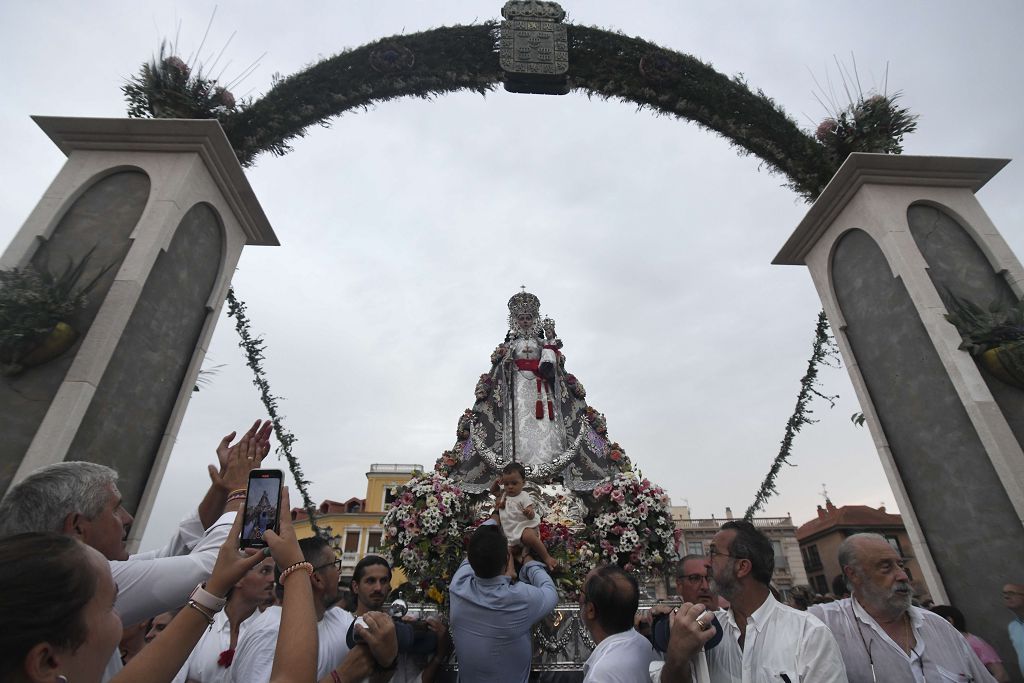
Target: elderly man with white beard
point(884, 638)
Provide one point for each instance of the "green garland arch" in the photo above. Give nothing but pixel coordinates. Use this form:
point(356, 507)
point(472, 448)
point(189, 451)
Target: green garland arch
point(602, 63)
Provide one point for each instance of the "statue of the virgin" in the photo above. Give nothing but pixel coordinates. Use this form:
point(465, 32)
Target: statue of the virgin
point(530, 410)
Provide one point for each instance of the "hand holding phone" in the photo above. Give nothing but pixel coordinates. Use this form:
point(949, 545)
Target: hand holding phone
point(262, 507)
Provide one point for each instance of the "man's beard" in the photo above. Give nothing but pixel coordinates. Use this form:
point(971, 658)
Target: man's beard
point(892, 600)
point(726, 585)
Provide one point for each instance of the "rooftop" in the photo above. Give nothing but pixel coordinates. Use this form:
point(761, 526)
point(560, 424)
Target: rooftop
point(848, 516)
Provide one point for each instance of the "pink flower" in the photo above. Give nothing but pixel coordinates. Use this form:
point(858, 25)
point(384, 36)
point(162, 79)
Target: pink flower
point(825, 129)
point(617, 496)
point(617, 530)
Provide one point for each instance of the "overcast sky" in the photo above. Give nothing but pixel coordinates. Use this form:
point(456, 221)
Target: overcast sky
point(404, 229)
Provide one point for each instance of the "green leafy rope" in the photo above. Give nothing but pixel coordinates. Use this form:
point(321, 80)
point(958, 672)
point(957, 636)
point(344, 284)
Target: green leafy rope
point(823, 349)
point(254, 348)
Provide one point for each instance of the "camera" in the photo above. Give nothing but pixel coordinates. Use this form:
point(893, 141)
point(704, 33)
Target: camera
point(660, 629)
point(414, 637)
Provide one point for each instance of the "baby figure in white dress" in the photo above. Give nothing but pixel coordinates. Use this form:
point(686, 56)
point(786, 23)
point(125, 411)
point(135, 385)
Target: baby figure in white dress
point(518, 515)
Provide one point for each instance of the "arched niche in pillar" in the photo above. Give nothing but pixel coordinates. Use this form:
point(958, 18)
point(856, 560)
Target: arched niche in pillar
point(929, 434)
point(147, 370)
point(958, 264)
point(102, 216)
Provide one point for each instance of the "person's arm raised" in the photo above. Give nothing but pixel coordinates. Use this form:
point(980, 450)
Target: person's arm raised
point(223, 482)
point(295, 658)
point(161, 659)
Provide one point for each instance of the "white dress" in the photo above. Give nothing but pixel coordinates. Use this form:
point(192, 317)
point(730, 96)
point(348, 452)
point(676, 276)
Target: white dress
point(537, 440)
point(513, 521)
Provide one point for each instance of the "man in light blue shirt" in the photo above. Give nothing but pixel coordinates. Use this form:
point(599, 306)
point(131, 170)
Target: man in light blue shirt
point(491, 617)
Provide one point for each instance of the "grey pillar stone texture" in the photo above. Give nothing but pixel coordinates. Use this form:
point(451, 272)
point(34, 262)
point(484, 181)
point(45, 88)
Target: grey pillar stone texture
point(166, 204)
point(887, 235)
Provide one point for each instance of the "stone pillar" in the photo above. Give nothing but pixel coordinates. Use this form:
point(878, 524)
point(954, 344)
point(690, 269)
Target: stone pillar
point(885, 238)
point(165, 205)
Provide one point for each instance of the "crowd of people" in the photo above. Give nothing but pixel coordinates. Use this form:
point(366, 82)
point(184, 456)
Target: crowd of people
point(78, 609)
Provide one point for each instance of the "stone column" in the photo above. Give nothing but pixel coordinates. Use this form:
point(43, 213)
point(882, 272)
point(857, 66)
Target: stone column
point(886, 238)
point(165, 206)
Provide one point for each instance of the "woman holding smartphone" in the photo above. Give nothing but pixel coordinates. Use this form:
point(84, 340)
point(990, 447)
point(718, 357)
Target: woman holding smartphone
point(60, 623)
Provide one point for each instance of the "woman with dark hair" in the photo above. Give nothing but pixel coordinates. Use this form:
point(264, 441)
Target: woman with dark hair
point(59, 621)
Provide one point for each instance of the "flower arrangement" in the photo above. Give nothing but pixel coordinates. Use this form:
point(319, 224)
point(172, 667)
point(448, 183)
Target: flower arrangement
point(994, 334)
point(34, 306)
point(167, 87)
point(575, 553)
point(424, 530)
point(871, 124)
point(575, 387)
point(632, 521)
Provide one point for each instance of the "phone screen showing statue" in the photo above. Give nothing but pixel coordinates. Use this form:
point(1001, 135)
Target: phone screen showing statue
point(262, 506)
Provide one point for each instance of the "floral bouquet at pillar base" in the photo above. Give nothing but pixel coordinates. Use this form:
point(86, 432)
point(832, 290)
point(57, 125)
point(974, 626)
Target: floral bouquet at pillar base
point(632, 521)
point(423, 532)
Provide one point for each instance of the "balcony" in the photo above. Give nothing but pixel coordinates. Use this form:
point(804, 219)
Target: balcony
point(714, 524)
point(396, 469)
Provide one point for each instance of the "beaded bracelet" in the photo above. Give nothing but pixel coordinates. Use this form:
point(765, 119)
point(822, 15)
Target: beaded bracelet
point(298, 565)
point(236, 496)
point(199, 608)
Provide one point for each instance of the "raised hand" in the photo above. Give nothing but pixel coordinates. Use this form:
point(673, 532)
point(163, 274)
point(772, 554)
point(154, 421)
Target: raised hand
point(232, 564)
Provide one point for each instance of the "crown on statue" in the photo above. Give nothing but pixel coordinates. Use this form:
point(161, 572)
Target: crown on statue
point(524, 302)
point(532, 9)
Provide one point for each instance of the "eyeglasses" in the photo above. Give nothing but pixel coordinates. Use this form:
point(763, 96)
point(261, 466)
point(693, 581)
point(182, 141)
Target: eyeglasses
point(693, 579)
point(1007, 594)
point(712, 551)
point(336, 563)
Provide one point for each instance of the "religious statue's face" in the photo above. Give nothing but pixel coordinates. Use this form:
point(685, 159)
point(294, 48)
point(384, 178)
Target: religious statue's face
point(524, 321)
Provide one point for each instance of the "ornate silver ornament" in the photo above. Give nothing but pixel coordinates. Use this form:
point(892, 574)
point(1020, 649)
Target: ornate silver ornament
point(534, 47)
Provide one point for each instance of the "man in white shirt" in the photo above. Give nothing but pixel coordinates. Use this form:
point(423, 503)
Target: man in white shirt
point(254, 655)
point(883, 637)
point(764, 640)
point(608, 605)
point(211, 658)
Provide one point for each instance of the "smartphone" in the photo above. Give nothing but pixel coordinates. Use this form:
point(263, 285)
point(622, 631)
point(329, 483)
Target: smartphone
point(262, 507)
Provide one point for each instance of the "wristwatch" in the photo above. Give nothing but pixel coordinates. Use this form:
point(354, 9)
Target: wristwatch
point(206, 599)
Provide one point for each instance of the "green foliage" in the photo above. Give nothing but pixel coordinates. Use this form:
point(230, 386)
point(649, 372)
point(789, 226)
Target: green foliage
point(871, 124)
point(998, 325)
point(255, 348)
point(166, 87)
point(822, 351)
point(33, 301)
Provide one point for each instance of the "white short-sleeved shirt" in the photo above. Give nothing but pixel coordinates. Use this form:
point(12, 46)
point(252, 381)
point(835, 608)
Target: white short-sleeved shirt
point(254, 655)
point(620, 658)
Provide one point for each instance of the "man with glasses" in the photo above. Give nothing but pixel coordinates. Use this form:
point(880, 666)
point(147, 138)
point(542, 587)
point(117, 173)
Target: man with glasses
point(693, 583)
point(764, 640)
point(254, 655)
point(1013, 598)
point(884, 639)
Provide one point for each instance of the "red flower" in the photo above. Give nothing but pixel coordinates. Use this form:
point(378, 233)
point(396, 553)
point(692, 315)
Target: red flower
point(226, 658)
point(615, 455)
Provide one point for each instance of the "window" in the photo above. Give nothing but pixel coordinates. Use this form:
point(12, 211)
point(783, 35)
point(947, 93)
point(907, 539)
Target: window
point(373, 544)
point(811, 558)
point(389, 494)
point(820, 584)
point(780, 557)
point(352, 542)
point(694, 548)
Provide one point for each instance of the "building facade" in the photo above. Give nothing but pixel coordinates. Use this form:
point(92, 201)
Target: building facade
point(820, 538)
point(355, 524)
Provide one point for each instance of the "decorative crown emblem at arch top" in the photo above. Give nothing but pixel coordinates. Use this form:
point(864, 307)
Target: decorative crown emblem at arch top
point(534, 48)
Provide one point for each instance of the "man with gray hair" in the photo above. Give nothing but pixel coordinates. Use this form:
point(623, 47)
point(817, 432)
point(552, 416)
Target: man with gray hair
point(881, 635)
point(80, 499)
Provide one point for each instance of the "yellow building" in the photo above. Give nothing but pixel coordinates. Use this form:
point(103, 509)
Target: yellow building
point(355, 524)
